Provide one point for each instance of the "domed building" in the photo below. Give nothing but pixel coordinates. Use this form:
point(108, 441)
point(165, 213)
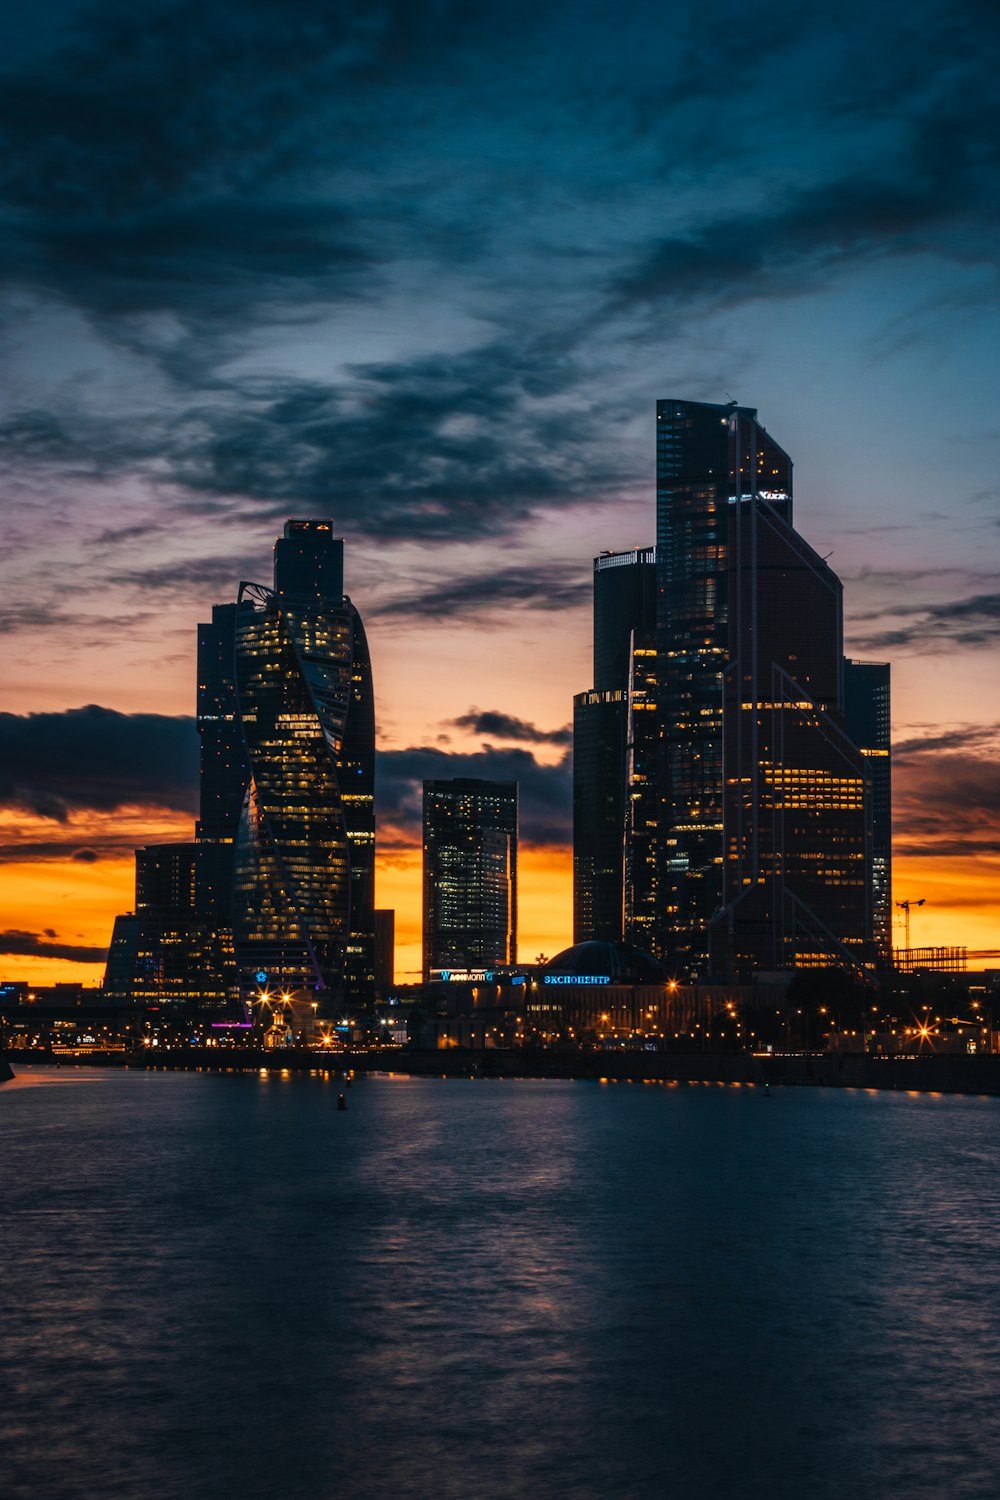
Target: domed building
point(605, 963)
point(604, 990)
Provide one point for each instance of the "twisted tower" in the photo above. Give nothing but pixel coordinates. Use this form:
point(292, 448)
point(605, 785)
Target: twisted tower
point(304, 860)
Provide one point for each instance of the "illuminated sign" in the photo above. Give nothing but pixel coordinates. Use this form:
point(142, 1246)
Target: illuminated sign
point(577, 979)
point(463, 976)
point(260, 976)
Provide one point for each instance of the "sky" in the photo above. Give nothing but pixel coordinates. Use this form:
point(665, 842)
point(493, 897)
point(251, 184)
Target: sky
point(425, 269)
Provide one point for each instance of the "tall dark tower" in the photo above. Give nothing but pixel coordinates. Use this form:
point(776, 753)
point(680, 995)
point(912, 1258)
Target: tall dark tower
point(707, 456)
point(766, 800)
point(305, 848)
point(470, 873)
point(796, 794)
point(225, 772)
point(867, 713)
point(599, 752)
point(609, 723)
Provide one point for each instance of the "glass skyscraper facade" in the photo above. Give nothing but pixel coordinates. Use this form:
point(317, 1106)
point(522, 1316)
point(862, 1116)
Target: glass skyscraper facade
point(470, 873)
point(599, 759)
point(642, 860)
point(796, 792)
point(770, 845)
point(624, 611)
point(707, 456)
point(613, 742)
point(224, 772)
point(171, 951)
point(278, 886)
point(867, 706)
point(303, 881)
point(732, 801)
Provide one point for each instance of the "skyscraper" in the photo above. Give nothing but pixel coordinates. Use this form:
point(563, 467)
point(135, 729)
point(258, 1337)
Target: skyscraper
point(470, 873)
point(867, 714)
point(796, 795)
point(642, 802)
point(599, 756)
point(224, 772)
point(304, 863)
point(706, 456)
point(764, 834)
point(384, 947)
point(610, 752)
point(171, 951)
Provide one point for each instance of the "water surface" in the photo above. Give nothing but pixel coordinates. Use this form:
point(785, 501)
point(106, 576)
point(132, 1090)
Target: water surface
point(218, 1286)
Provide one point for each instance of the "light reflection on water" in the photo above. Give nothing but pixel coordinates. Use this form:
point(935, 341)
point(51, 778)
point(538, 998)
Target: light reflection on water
point(44, 1078)
point(221, 1286)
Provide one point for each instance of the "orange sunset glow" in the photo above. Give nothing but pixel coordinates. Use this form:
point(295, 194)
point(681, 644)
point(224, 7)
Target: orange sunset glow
point(478, 427)
point(67, 870)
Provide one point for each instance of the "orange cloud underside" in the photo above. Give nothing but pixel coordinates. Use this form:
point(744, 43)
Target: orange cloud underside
point(961, 896)
point(78, 901)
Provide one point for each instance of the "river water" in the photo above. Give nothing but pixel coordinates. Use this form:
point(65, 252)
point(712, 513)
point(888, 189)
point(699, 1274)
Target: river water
point(220, 1286)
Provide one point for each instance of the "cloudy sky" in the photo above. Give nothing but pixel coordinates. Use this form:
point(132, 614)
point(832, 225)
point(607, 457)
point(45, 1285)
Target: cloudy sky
point(425, 269)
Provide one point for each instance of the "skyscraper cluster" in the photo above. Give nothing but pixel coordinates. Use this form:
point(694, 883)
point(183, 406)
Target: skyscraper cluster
point(731, 769)
point(732, 794)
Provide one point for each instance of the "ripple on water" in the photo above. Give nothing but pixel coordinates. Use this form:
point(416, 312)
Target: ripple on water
point(215, 1287)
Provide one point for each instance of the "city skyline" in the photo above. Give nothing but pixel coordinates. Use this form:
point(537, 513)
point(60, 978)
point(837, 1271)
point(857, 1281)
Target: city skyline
point(445, 323)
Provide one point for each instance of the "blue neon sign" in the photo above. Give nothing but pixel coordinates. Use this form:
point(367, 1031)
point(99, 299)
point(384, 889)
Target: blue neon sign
point(576, 979)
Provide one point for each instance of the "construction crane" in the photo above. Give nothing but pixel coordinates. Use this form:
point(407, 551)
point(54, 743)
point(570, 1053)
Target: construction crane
point(905, 906)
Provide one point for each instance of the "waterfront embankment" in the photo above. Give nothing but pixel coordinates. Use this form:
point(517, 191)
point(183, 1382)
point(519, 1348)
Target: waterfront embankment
point(931, 1073)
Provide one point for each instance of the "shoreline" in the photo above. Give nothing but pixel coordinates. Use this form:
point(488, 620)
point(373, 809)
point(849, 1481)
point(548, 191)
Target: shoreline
point(933, 1073)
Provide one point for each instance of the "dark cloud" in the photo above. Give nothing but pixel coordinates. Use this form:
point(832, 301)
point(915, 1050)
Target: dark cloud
point(501, 726)
point(196, 178)
point(160, 158)
point(919, 190)
point(93, 758)
point(14, 943)
point(786, 249)
point(444, 447)
point(447, 447)
point(215, 578)
point(545, 792)
point(536, 587)
point(969, 738)
point(211, 158)
point(55, 763)
point(56, 849)
point(15, 617)
point(933, 628)
point(946, 793)
point(213, 163)
point(18, 616)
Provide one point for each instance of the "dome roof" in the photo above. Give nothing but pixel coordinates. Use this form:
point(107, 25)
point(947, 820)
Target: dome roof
point(620, 962)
